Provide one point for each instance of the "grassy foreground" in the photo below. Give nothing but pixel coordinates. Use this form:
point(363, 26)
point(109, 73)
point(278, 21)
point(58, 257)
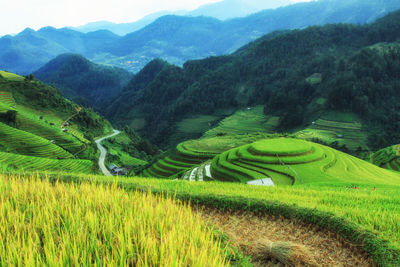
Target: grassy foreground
point(363, 217)
point(86, 224)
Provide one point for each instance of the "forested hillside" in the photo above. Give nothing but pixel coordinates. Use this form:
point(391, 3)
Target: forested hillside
point(83, 81)
point(358, 68)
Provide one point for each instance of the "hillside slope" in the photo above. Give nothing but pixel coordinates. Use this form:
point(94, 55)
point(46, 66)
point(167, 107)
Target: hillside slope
point(83, 81)
point(358, 66)
point(41, 130)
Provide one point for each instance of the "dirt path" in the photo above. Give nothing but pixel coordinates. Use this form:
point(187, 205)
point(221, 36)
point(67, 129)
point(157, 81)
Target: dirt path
point(78, 109)
point(244, 230)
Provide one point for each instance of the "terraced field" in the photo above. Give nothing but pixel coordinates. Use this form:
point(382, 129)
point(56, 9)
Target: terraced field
point(192, 153)
point(249, 120)
point(294, 161)
point(29, 120)
point(350, 134)
point(6, 98)
point(25, 143)
point(11, 162)
point(30, 123)
point(388, 158)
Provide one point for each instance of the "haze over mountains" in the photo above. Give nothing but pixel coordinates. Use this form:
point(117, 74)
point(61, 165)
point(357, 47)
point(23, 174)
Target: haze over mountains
point(176, 38)
point(222, 10)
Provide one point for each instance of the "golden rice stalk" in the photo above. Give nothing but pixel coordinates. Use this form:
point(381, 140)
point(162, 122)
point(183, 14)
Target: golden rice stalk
point(288, 253)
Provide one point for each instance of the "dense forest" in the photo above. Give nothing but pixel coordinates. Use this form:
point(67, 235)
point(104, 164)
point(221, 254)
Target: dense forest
point(359, 66)
point(82, 81)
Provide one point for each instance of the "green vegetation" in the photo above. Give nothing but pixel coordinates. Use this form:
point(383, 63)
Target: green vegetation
point(191, 153)
point(83, 81)
point(123, 152)
point(272, 72)
point(39, 226)
point(11, 76)
point(14, 163)
point(293, 161)
point(339, 132)
point(32, 117)
point(388, 158)
point(244, 121)
point(355, 211)
point(21, 142)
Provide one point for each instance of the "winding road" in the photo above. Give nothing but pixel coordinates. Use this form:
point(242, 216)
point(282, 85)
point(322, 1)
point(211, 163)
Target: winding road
point(103, 152)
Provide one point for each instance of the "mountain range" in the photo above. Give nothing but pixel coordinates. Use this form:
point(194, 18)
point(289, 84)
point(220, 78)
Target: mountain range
point(221, 10)
point(177, 38)
point(357, 67)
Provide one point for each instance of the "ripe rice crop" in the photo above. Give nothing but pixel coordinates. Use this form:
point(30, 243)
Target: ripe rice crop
point(88, 224)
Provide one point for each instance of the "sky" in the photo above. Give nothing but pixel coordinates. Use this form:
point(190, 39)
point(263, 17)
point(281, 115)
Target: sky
point(17, 15)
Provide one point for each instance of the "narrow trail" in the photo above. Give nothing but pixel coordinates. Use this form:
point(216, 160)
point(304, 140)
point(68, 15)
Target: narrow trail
point(70, 117)
point(245, 229)
point(103, 152)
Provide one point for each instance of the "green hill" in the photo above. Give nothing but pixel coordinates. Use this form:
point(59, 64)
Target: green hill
point(34, 135)
point(83, 81)
point(354, 77)
point(294, 161)
point(190, 154)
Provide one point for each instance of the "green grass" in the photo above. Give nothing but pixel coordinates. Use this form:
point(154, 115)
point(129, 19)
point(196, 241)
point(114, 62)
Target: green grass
point(6, 98)
point(11, 76)
point(192, 127)
point(39, 123)
point(25, 143)
point(341, 116)
point(118, 148)
point(245, 121)
point(343, 128)
point(45, 224)
point(363, 217)
point(388, 158)
point(302, 161)
point(194, 152)
point(16, 162)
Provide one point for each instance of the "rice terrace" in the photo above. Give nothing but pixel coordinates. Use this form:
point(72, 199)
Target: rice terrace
point(225, 133)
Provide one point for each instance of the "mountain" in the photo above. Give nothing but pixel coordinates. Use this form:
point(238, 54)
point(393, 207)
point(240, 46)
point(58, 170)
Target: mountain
point(120, 28)
point(29, 50)
point(357, 68)
point(229, 9)
point(222, 10)
point(178, 39)
point(83, 81)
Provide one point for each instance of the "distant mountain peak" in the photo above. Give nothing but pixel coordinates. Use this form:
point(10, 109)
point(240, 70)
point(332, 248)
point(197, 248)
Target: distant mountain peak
point(27, 31)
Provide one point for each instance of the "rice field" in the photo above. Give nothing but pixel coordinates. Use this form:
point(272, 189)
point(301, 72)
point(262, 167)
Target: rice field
point(16, 162)
point(25, 143)
point(87, 224)
point(293, 161)
point(6, 98)
point(245, 121)
point(194, 152)
point(374, 210)
point(342, 130)
point(33, 124)
point(388, 158)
